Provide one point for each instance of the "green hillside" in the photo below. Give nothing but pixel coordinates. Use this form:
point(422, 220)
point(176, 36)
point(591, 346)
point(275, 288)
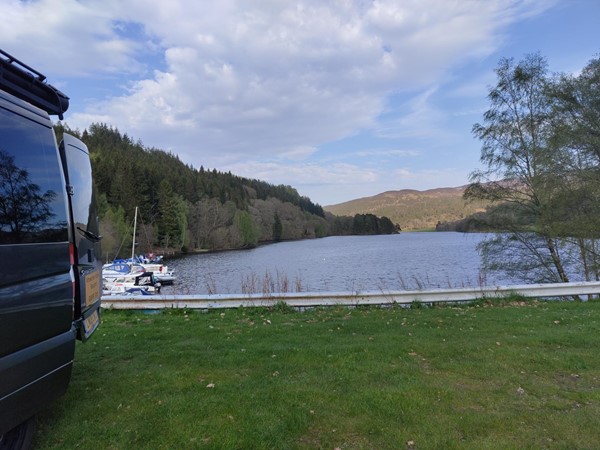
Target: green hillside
point(182, 208)
point(412, 209)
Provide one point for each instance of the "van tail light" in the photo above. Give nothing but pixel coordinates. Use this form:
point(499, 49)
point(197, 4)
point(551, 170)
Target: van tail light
point(72, 273)
point(72, 254)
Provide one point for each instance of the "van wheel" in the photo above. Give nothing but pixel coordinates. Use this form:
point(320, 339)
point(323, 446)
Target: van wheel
point(19, 438)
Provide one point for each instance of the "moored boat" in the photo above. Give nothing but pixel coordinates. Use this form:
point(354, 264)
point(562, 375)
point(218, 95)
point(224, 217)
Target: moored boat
point(161, 271)
point(118, 277)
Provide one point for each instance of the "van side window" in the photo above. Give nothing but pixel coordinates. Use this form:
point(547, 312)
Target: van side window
point(32, 205)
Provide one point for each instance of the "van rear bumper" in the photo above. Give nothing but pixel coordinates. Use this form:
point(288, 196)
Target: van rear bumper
point(33, 377)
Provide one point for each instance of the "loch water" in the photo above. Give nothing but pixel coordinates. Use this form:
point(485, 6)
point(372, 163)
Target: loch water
point(409, 260)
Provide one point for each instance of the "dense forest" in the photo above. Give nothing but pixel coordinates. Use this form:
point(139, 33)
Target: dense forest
point(181, 208)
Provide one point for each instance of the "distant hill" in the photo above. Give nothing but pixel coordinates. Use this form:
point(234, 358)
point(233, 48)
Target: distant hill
point(412, 209)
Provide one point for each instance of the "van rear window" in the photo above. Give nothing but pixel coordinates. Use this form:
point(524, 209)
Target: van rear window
point(32, 196)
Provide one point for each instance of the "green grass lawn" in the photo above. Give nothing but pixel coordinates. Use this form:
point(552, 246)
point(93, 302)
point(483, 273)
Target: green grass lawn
point(502, 376)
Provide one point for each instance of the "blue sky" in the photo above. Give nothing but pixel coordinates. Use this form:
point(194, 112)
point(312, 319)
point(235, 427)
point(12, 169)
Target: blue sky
point(340, 99)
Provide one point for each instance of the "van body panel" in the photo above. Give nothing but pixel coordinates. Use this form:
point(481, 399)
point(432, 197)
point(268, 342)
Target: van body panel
point(34, 310)
point(31, 261)
point(41, 372)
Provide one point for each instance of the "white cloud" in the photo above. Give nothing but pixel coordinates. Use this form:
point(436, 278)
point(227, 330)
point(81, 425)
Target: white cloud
point(238, 84)
point(268, 78)
point(68, 37)
point(339, 182)
point(390, 152)
point(306, 174)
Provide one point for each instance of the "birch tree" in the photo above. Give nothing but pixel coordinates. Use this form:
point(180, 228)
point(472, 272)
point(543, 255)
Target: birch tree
point(517, 174)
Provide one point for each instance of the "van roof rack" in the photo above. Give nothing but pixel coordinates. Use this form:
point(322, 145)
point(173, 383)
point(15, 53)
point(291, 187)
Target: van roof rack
point(28, 84)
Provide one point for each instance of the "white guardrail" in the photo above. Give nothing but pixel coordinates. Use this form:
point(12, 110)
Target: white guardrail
point(310, 299)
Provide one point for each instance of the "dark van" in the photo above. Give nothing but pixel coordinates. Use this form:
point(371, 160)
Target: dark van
point(50, 268)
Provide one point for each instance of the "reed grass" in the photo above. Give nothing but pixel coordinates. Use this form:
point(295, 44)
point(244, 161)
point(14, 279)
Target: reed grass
point(269, 283)
point(493, 375)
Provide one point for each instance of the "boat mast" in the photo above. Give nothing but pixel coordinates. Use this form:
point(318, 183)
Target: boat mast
point(134, 227)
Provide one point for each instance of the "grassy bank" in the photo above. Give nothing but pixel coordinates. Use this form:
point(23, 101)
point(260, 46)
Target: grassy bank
point(513, 375)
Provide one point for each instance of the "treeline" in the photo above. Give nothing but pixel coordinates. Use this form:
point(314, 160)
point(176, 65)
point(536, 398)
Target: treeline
point(181, 208)
point(472, 223)
point(414, 210)
point(371, 224)
point(482, 221)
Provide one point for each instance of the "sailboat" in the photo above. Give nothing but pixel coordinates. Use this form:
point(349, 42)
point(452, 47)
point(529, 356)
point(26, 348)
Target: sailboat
point(161, 272)
point(136, 273)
